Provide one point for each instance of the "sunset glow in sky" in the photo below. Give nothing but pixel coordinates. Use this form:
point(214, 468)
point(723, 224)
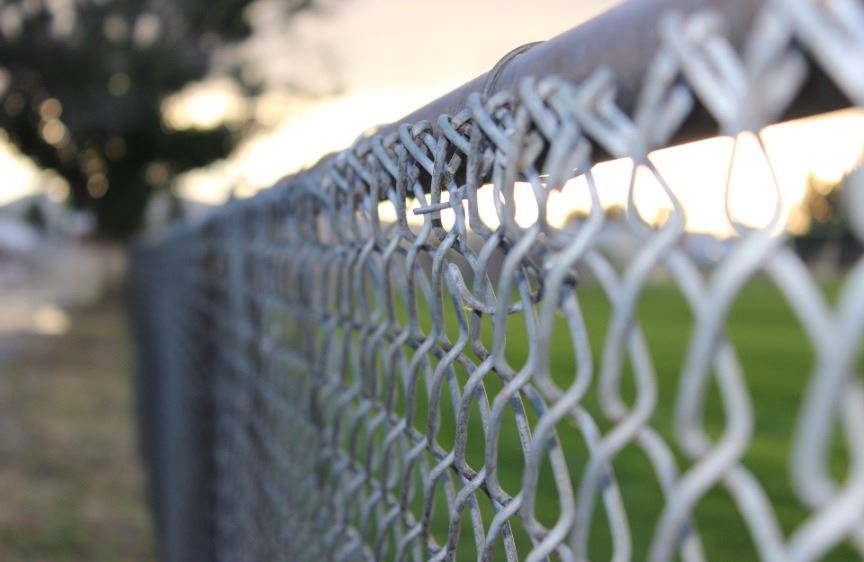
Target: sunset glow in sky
point(386, 58)
point(826, 146)
point(383, 84)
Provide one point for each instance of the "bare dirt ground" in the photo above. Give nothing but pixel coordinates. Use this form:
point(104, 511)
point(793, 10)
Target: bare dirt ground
point(71, 487)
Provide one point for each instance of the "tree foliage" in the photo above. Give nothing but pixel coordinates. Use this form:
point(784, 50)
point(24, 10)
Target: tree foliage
point(85, 80)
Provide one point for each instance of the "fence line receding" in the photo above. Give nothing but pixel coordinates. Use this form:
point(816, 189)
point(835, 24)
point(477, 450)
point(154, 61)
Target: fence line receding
point(324, 380)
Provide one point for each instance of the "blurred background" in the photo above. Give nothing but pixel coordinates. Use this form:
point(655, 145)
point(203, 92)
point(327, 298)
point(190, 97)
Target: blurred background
point(120, 117)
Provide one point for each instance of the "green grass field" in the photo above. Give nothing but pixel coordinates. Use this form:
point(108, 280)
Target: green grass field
point(776, 359)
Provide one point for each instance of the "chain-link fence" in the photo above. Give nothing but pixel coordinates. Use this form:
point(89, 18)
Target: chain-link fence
point(380, 358)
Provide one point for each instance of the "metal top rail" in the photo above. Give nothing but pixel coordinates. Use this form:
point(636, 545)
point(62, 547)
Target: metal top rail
point(624, 40)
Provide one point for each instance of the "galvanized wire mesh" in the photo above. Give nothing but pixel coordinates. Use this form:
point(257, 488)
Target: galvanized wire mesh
point(318, 383)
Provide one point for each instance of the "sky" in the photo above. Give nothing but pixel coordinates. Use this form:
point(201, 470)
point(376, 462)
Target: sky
point(373, 61)
point(390, 57)
point(387, 58)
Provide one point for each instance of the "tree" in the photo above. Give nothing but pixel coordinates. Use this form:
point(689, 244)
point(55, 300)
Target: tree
point(825, 232)
point(85, 81)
